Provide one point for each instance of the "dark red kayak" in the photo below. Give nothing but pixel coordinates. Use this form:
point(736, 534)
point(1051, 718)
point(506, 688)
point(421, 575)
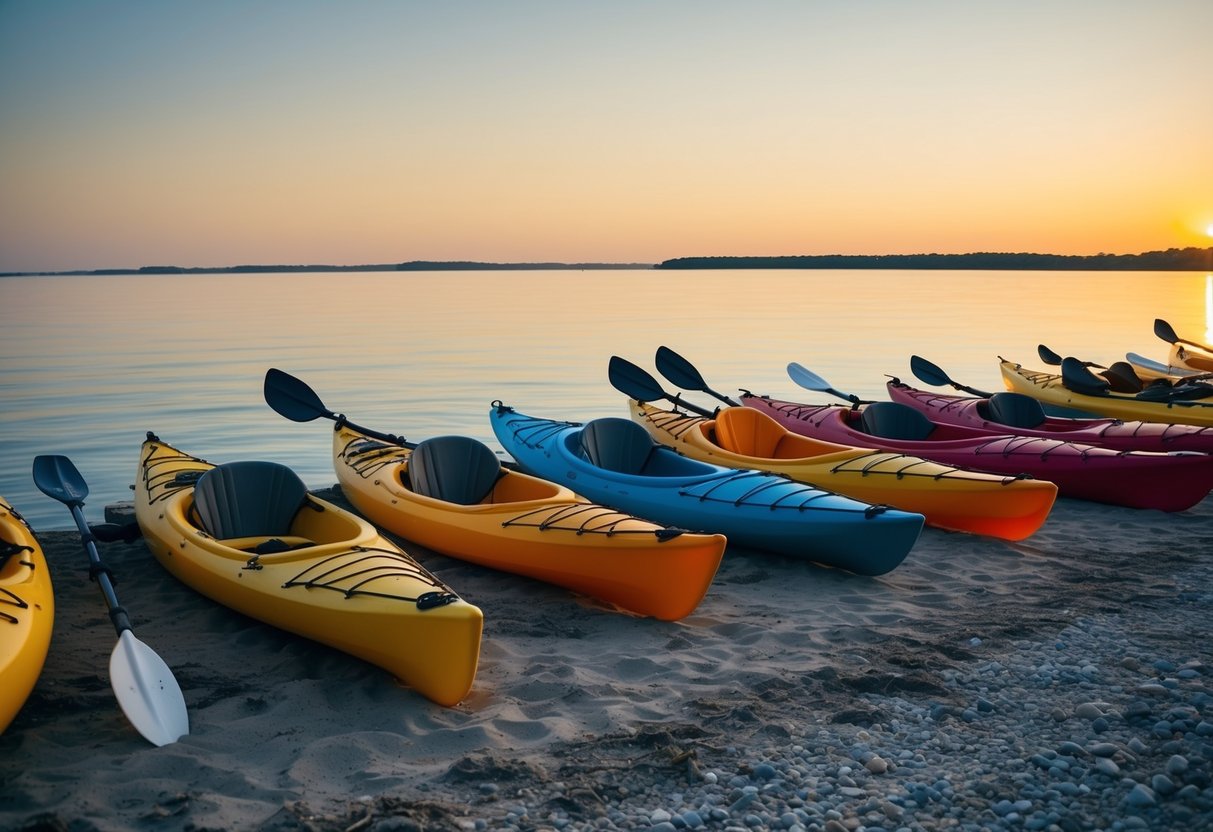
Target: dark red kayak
point(1002, 413)
point(1171, 481)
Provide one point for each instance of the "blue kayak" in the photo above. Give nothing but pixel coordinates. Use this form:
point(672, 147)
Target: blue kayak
point(614, 461)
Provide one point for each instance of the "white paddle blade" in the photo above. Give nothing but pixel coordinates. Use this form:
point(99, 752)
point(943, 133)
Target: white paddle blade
point(147, 691)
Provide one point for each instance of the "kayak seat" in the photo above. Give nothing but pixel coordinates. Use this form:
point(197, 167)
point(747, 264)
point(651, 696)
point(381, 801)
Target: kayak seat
point(1013, 409)
point(454, 469)
point(616, 444)
point(1075, 376)
point(749, 432)
point(894, 420)
point(1122, 378)
point(248, 499)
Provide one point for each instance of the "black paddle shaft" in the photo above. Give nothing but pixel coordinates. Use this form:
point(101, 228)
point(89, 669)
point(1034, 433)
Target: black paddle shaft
point(58, 478)
point(100, 573)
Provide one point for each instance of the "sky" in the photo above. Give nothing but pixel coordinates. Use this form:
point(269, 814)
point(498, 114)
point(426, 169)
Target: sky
point(298, 132)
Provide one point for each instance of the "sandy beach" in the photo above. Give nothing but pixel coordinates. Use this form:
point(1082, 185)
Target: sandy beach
point(981, 685)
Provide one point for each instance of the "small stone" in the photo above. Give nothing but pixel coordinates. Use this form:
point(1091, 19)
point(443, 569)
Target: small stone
point(1162, 784)
point(764, 771)
point(1140, 795)
point(1105, 766)
point(1178, 764)
point(1088, 710)
point(876, 765)
point(692, 819)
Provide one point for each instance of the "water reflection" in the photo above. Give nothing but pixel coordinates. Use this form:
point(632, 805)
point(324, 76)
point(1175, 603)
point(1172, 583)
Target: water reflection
point(88, 364)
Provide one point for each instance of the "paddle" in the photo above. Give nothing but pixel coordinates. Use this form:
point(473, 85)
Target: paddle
point(682, 373)
point(1178, 374)
point(635, 383)
point(809, 380)
point(1167, 333)
point(292, 398)
point(146, 689)
point(1049, 357)
point(933, 374)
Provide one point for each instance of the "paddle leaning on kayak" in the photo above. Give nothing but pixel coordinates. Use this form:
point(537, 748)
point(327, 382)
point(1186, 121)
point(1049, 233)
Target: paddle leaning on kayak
point(1015, 412)
point(452, 495)
point(1166, 481)
point(1008, 507)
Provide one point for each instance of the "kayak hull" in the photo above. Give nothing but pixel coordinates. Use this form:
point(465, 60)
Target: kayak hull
point(753, 509)
point(1048, 388)
point(1117, 434)
point(352, 590)
point(1135, 479)
point(951, 498)
point(535, 528)
point(27, 613)
point(1189, 358)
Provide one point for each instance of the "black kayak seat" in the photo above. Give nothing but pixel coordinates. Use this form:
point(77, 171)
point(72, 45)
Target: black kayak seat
point(454, 469)
point(248, 499)
point(894, 420)
point(1075, 376)
point(1013, 409)
point(1122, 378)
point(616, 444)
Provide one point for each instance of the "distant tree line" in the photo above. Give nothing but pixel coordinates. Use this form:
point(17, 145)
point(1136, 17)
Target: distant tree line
point(410, 266)
point(1173, 259)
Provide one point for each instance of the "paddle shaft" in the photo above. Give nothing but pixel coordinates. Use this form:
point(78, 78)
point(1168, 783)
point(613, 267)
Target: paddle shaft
point(100, 573)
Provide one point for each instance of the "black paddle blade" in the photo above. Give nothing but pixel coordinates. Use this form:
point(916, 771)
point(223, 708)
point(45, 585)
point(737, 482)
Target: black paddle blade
point(682, 373)
point(56, 477)
point(1165, 331)
point(633, 381)
point(1048, 356)
point(292, 398)
point(928, 372)
point(678, 371)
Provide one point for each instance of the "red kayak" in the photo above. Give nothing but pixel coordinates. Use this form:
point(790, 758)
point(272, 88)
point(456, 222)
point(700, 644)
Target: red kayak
point(1015, 413)
point(1171, 481)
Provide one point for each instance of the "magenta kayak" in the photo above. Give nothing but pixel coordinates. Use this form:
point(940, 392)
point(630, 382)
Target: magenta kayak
point(1171, 481)
point(1022, 415)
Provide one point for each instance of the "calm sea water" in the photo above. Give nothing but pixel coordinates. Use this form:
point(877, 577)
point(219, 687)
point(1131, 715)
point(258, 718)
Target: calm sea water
point(88, 365)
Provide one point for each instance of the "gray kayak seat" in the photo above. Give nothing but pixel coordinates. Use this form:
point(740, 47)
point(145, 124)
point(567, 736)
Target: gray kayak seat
point(1015, 410)
point(248, 499)
point(894, 420)
point(454, 469)
point(616, 444)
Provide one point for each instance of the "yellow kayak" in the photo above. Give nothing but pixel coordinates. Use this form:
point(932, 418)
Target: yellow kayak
point(249, 536)
point(451, 495)
point(1048, 388)
point(27, 612)
point(1007, 507)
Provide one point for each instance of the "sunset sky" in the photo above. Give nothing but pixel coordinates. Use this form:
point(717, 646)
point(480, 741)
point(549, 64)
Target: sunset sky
point(219, 133)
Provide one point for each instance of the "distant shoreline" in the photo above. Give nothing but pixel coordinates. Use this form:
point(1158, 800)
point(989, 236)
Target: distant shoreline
point(411, 266)
point(1173, 259)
